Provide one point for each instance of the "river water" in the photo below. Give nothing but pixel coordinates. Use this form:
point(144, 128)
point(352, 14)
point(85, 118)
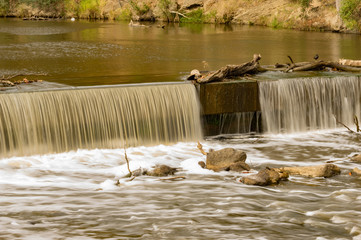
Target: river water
point(73, 195)
point(93, 53)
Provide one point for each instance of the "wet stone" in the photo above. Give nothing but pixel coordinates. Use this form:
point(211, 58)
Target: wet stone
point(326, 170)
point(264, 177)
point(227, 159)
point(161, 171)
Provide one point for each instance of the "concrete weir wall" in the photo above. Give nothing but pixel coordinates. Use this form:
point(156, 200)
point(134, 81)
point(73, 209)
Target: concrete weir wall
point(227, 105)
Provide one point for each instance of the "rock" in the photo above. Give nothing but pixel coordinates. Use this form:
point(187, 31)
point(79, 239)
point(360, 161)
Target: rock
point(239, 167)
point(202, 164)
point(356, 171)
point(356, 158)
point(161, 171)
point(225, 159)
point(264, 178)
point(326, 170)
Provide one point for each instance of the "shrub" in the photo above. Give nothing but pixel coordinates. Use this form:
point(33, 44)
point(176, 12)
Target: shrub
point(125, 14)
point(165, 7)
point(195, 16)
point(350, 12)
point(4, 7)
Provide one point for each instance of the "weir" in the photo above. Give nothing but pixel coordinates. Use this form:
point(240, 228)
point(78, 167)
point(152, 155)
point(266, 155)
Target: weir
point(110, 117)
point(149, 114)
point(304, 104)
point(280, 106)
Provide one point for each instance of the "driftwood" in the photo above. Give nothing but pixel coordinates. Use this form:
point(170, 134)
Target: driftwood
point(349, 62)
point(230, 71)
point(320, 65)
point(356, 122)
point(253, 67)
point(6, 81)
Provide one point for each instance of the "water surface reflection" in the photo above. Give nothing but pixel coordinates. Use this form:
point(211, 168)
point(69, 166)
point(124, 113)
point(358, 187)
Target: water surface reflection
point(94, 53)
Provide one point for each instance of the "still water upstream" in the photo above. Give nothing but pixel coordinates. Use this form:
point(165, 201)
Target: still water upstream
point(72, 195)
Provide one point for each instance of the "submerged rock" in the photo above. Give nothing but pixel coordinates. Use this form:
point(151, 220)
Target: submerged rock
point(326, 170)
point(227, 159)
point(161, 171)
point(265, 177)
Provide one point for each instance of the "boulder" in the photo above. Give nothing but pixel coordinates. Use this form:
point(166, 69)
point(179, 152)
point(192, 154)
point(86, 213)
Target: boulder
point(227, 159)
point(265, 177)
point(161, 171)
point(356, 158)
point(326, 170)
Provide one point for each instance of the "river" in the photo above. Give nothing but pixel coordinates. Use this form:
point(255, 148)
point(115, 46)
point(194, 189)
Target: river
point(73, 194)
point(83, 53)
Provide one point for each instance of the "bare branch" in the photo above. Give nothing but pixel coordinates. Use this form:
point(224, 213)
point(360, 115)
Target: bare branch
point(200, 147)
point(126, 159)
point(179, 14)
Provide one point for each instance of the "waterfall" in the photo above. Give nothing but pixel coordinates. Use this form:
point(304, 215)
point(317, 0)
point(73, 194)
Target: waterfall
point(109, 117)
point(304, 104)
point(241, 122)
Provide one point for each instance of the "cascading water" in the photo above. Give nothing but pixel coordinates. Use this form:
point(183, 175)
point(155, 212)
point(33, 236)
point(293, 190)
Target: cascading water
point(242, 122)
point(63, 120)
point(303, 104)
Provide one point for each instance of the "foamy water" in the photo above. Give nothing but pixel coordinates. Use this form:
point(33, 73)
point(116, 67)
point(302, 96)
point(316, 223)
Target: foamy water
point(73, 195)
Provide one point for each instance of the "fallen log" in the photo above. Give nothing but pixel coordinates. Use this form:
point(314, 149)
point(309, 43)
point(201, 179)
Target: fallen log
point(230, 71)
point(349, 62)
point(319, 65)
point(326, 170)
point(253, 67)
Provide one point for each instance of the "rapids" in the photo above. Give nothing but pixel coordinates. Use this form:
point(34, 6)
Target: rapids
point(72, 195)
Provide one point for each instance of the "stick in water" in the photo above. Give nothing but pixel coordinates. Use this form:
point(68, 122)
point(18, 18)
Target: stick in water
point(200, 147)
point(130, 172)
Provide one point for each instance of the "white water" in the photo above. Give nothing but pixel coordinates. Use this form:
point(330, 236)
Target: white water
point(303, 104)
point(73, 195)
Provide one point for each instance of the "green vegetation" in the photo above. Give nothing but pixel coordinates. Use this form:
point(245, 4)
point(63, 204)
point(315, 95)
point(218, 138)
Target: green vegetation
point(275, 23)
point(125, 15)
point(165, 8)
point(195, 16)
point(304, 3)
point(198, 16)
point(139, 10)
point(350, 12)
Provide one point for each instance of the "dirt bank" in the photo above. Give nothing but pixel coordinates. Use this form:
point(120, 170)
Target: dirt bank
point(320, 15)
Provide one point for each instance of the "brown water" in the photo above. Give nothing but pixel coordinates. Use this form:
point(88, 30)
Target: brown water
point(116, 117)
point(94, 53)
point(72, 195)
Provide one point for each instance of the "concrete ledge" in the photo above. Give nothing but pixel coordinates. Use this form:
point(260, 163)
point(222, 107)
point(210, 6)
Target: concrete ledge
point(229, 97)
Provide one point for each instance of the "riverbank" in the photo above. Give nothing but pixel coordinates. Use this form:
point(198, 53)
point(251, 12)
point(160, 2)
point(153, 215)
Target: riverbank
point(291, 14)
